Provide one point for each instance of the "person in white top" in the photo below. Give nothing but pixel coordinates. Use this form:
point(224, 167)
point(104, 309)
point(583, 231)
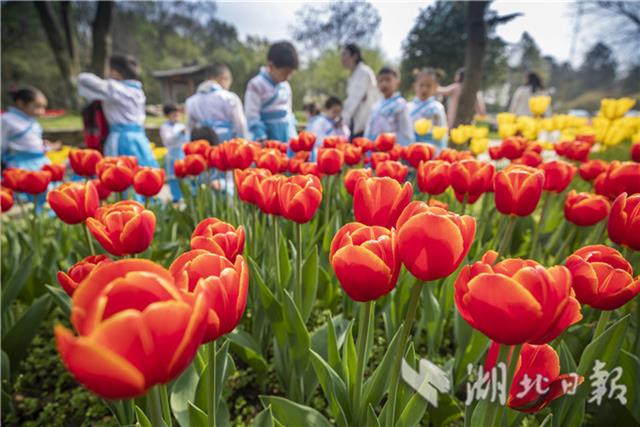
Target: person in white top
point(520, 102)
point(426, 106)
point(453, 91)
point(123, 102)
point(22, 143)
point(214, 106)
point(268, 99)
point(173, 135)
point(362, 92)
point(328, 123)
point(391, 113)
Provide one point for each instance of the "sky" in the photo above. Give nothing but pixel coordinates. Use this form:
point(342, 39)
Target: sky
point(550, 23)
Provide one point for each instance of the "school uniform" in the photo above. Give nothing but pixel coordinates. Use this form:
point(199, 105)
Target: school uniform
point(123, 103)
point(322, 126)
point(219, 109)
point(391, 115)
point(267, 105)
point(22, 145)
point(173, 136)
point(430, 109)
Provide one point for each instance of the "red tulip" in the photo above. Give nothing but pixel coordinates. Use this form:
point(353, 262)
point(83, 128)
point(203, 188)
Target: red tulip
point(334, 141)
point(148, 181)
point(352, 176)
point(223, 284)
point(352, 154)
point(450, 155)
point(34, 182)
point(600, 185)
point(248, 183)
point(103, 192)
point(433, 177)
point(57, 171)
point(6, 197)
point(602, 278)
point(84, 161)
point(624, 221)
point(585, 209)
point(385, 141)
point(74, 202)
point(280, 146)
point(378, 157)
point(432, 241)
point(136, 328)
point(365, 260)
point(200, 146)
point(309, 168)
point(516, 301)
point(471, 178)
point(635, 152)
point(123, 228)
point(330, 161)
point(590, 169)
point(529, 158)
point(511, 148)
point(218, 237)
point(78, 271)
point(300, 197)
point(557, 175)
point(238, 153)
point(365, 143)
point(574, 150)
point(392, 169)
point(304, 142)
point(396, 152)
point(518, 190)
point(116, 173)
point(179, 168)
point(622, 177)
point(416, 153)
point(273, 160)
point(194, 165)
point(11, 178)
point(380, 201)
point(268, 200)
point(535, 363)
point(293, 166)
point(434, 203)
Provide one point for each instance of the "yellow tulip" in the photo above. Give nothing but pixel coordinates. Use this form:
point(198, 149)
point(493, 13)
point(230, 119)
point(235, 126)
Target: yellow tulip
point(159, 153)
point(539, 104)
point(505, 118)
point(480, 132)
point(623, 105)
point(422, 126)
point(479, 145)
point(438, 132)
point(60, 156)
point(547, 124)
point(507, 130)
point(458, 135)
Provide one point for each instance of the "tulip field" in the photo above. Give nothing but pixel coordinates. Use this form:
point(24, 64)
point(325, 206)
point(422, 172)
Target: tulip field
point(363, 283)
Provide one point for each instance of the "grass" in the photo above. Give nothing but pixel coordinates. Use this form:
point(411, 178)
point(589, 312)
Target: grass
point(74, 121)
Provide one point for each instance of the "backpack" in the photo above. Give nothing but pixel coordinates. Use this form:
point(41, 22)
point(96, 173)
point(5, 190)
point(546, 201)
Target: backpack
point(95, 126)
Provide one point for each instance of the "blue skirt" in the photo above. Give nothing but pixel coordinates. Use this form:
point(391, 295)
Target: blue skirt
point(130, 140)
point(26, 160)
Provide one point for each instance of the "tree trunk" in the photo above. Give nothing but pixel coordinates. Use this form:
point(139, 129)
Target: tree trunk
point(60, 37)
point(101, 37)
point(474, 57)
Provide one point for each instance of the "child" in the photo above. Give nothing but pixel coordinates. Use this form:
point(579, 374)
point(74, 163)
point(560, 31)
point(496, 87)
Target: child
point(22, 143)
point(390, 114)
point(329, 122)
point(123, 102)
point(214, 106)
point(267, 100)
point(425, 105)
point(173, 135)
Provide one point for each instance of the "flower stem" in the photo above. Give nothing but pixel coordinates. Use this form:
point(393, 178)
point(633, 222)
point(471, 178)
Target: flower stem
point(164, 400)
point(299, 259)
point(364, 326)
point(566, 243)
point(212, 384)
point(406, 330)
point(505, 243)
point(539, 224)
point(88, 237)
point(276, 239)
point(602, 323)
point(155, 407)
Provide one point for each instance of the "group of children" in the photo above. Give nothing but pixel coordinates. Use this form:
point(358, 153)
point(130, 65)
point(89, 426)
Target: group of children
point(214, 112)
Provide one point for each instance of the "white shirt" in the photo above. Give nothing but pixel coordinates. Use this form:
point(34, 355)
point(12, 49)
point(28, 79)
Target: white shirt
point(322, 126)
point(123, 101)
point(520, 102)
point(391, 115)
point(213, 103)
point(263, 95)
point(21, 132)
point(173, 134)
point(430, 109)
point(362, 94)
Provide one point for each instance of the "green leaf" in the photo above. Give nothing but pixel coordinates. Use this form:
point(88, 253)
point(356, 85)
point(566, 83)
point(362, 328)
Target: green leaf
point(263, 419)
point(16, 340)
point(309, 283)
point(294, 414)
point(248, 349)
point(298, 340)
point(183, 392)
point(349, 358)
point(476, 347)
point(605, 348)
point(412, 413)
point(197, 417)
point(447, 412)
point(377, 383)
point(630, 364)
point(12, 286)
point(6, 368)
point(142, 418)
point(333, 387)
point(61, 298)
point(372, 418)
point(285, 263)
